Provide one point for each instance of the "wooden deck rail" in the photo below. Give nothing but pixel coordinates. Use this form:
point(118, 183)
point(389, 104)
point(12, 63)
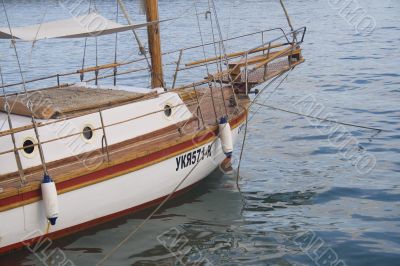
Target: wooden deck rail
point(127, 62)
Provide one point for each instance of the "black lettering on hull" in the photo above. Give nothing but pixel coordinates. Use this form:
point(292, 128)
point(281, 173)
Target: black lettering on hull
point(193, 157)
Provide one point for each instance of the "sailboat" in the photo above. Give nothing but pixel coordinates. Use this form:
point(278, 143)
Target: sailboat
point(74, 155)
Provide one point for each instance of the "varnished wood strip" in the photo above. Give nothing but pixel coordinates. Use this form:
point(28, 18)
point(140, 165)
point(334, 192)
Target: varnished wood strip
point(25, 200)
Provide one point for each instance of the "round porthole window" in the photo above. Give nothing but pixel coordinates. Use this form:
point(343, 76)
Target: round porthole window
point(87, 133)
point(167, 110)
point(28, 146)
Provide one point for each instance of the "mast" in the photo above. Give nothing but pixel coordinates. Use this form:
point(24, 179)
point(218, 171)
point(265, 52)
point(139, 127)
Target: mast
point(153, 34)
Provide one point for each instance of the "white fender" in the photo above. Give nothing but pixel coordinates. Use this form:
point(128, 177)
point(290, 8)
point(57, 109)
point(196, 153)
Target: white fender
point(225, 134)
point(50, 200)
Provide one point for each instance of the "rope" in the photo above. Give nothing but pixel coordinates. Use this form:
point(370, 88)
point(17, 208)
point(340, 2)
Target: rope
point(218, 62)
point(10, 125)
point(31, 50)
point(205, 57)
point(201, 36)
point(286, 14)
point(115, 49)
point(221, 44)
point(219, 66)
point(288, 20)
point(291, 112)
point(96, 72)
point(37, 32)
point(269, 96)
point(321, 119)
point(137, 228)
point(84, 48)
point(47, 227)
point(29, 105)
point(241, 154)
point(142, 50)
point(247, 120)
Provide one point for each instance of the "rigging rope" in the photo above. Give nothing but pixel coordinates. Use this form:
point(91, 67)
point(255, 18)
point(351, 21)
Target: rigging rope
point(271, 93)
point(37, 32)
point(378, 130)
point(115, 49)
point(137, 228)
point(96, 72)
point(142, 49)
point(247, 120)
point(28, 103)
point(218, 61)
point(201, 38)
point(320, 118)
point(219, 66)
point(221, 44)
point(10, 126)
point(286, 15)
point(82, 75)
point(241, 152)
point(206, 63)
point(288, 20)
point(219, 30)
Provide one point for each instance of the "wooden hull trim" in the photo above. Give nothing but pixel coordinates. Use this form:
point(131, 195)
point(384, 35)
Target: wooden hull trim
point(115, 170)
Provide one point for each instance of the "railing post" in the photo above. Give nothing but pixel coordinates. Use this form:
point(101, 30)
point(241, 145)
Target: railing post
point(104, 135)
point(177, 68)
point(58, 80)
point(262, 40)
point(212, 100)
point(266, 65)
point(198, 105)
point(115, 75)
point(291, 50)
point(96, 77)
point(246, 75)
point(16, 152)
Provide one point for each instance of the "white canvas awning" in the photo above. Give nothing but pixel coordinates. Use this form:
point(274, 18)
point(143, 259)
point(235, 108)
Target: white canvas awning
point(89, 25)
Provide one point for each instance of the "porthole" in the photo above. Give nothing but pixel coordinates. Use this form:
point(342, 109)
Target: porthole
point(167, 110)
point(87, 133)
point(28, 146)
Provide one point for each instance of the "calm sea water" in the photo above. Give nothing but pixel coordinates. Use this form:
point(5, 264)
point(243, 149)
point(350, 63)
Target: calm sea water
point(304, 200)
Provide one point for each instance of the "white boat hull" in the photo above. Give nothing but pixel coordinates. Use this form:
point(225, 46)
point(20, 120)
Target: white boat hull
point(104, 200)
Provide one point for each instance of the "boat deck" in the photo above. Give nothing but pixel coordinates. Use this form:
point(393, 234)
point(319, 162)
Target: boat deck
point(66, 170)
point(262, 74)
point(52, 103)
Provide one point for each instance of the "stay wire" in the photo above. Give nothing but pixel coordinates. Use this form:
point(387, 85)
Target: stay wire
point(116, 47)
point(378, 130)
point(82, 76)
point(30, 52)
point(37, 32)
point(205, 58)
point(321, 119)
point(29, 103)
point(271, 93)
point(222, 47)
point(217, 55)
point(137, 228)
point(247, 121)
point(10, 126)
point(201, 37)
